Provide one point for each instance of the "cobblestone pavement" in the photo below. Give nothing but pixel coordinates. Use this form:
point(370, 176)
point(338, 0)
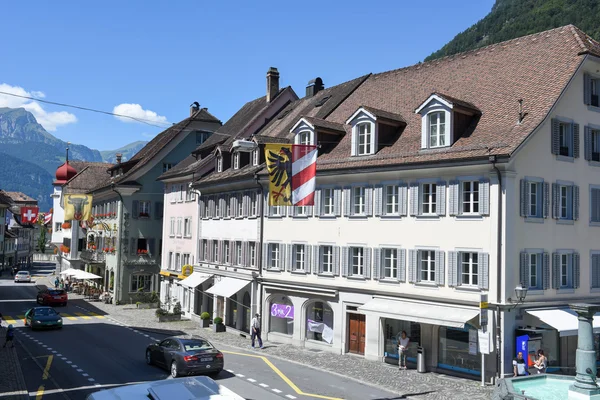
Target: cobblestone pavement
point(408, 384)
point(12, 383)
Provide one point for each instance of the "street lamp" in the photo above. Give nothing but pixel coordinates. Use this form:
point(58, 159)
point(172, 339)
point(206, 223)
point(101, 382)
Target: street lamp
point(520, 293)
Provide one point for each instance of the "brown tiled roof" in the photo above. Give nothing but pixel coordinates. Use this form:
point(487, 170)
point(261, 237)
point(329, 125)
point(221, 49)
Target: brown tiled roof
point(492, 78)
point(324, 124)
point(213, 140)
point(5, 199)
point(230, 175)
point(268, 139)
point(90, 177)
point(382, 114)
point(457, 102)
point(19, 197)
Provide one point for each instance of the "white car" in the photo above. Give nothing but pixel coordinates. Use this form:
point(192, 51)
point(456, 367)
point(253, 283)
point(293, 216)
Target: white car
point(23, 276)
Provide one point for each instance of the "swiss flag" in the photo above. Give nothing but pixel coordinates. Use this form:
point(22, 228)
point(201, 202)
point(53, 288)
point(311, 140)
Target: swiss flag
point(29, 214)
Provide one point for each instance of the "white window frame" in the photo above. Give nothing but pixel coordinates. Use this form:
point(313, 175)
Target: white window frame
point(565, 270)
point(299, 257)
point(595, 144)
point(172, 227)
point(274, 256)
point(170, 261)
point(144, 208)
point(177, 262)
point(389, 263)
point(240, 205)
point(357, 261)
point(565, 202)
point(428, 199)
point(430, 263)
point(205, 250)
point(367, 147)
point(594, 222)
point(226, 252)
point(187, 227)
point(302, 211)
point(359, 193)
point(252, 254)
point(236, 160)
point(255, 157)
point(215, 255)
point(440, 134)
point(179, 232)
point(328, 202)
point(535, 258)
point(469, 260)
point(219, 163)
point(539, 199)
point(277, 211)
point(565, 136)
point(238, 253)
point(326, 259)
point(470, 196)
point(253, 204)
point(394, 191)
point(304, 137)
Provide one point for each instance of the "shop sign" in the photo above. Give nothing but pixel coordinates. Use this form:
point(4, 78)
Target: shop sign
point(282, 311)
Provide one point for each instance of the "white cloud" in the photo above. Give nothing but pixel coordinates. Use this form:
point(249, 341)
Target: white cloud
point(49, 120)
point(136, 111)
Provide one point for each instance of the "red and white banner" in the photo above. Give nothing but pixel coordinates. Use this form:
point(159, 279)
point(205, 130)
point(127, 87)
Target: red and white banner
point(29, 215)
point(47, 218)
point(304, 172)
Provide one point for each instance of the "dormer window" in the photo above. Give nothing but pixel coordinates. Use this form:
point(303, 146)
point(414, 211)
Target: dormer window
point(436, 128)
point(304, 137)
point(255, 157)
point(219, 164)
point(366, 139)
point(373, 129)
point(236, 160)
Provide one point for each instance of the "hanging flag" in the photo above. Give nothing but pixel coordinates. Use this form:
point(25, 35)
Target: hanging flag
point(292, 174)
point(78, 207)
point(29, 215)
point(47, 218)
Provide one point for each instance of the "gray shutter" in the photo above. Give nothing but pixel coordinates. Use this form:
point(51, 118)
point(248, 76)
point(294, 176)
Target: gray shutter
point(587, 89)
point(378, 197)
point(158, 210)
point(265, 255)
point(524, 197)
point(308, 259)
point(595, 204)
point(555, 136)
point(412, 266)
point(546, 270)
point(135, 206)
point(151, 247)
point(440, 270)
point(440, 206)
point(484, 196)
point(288, 257)
point(377, 265)
point(546, 203)
point(555, 270)
point(576, 141)
point(245, 257)
point(576, 271)
point(369, 201)
point(337, 202)
point(453, 201)
point(149, 209)
point(367, 257)
point(403, 199)
point(232, 253)
point(209, 250)
point(294, 211)
point(246, 200)
point(555, 201)
point(344, 261)
point(202, 208)
point(453, 268)
point(347, 203)
point(587, 143)
point(595, 283)
point(318, 207)
point(484, 271)
point(316, 261)
point(575, 202)
point(414, 198)
point(524, 270)
point(336, 260)
point(401, 265)
point(134, 246)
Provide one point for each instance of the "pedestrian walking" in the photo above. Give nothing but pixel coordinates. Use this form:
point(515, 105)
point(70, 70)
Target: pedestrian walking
point(10, 334)
point(56, 282)
point(256, 330)
point(403, 342)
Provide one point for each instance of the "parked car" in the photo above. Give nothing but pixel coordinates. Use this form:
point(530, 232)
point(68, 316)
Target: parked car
point(52, 297)
point(182, 356)
point(43, 317)
point(23, 276)
point(189, 388)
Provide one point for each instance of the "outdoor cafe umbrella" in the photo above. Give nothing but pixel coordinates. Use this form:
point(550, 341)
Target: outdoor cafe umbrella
point(79, 274)
point(70, 271)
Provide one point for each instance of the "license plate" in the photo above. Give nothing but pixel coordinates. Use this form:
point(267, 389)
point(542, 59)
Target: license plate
point(57, 297)
point(206, 359)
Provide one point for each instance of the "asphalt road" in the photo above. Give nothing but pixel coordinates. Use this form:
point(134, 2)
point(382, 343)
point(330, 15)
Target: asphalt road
point(93, 352)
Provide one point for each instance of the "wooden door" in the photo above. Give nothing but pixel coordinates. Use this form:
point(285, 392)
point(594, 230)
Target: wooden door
point(356, 333)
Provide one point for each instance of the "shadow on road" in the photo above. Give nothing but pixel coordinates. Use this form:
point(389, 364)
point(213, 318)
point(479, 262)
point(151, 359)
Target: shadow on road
point(406, 396)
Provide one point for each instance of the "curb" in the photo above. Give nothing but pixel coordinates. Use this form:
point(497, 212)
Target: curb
point(20, 374)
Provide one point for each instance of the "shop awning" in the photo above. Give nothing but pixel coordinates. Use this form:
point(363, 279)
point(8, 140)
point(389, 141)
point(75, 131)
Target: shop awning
point(227, 287)
point(195, 279)
point(564, 321)
point(421, 312)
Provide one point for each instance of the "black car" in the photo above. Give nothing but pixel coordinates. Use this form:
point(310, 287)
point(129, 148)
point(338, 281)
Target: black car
point(185, 356)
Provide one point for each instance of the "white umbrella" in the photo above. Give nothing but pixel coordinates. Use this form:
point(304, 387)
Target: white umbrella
point(70, 271)
point(85, 275)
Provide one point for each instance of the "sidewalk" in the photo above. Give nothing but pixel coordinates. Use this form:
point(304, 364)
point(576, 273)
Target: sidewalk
point(12, 382)
point(406, 383)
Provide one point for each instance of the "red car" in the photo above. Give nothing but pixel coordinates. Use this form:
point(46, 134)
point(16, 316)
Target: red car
point(52, 297)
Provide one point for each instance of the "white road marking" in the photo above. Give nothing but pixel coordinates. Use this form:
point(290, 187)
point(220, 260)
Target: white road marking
point(230, 371)
point(79, 370)
point(276, 390)
point(54, 351)
point(147, 336)
point(58, 355)
point(69, 362)
point(49, 348)
point(74, 366)
point(240, 375)
point(64, 358)
point(289, 396)
point(91, 380)
point(85, 375)
point(263, 385)
point(97, 384)
point(44, 345)
point(251, 380)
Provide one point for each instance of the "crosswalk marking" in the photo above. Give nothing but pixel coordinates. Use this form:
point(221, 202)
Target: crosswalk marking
point(19, 319)
point(82, 315)
point(97, 315)
point(20, 316)
point(9, 319)
point(68, 316)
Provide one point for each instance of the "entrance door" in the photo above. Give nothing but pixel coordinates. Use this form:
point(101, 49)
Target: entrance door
point(356, 333)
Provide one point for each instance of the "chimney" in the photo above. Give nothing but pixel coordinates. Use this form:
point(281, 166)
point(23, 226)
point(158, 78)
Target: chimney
point(272, 84)
point(314, 86)
point(194, 108)
point(118, 156)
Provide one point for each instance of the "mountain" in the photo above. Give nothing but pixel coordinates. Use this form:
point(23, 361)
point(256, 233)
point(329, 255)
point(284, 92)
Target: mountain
point(21, 176)
point(510, 19)
point(128, 151)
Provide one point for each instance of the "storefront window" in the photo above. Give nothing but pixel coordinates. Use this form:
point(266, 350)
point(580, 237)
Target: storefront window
point(319, 322)
point(458, 350)
point(281, 318)
point(393, 329)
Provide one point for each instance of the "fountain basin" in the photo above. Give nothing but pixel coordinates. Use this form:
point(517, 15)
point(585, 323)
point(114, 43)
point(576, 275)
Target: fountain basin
point(535, 387)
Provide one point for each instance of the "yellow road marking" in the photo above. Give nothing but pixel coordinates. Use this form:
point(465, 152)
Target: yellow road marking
point(282, 376)
point(97, 315)
point(82, 315)
point(20, 317)
point(9, 319)
point(40, 391)
point(68, 316)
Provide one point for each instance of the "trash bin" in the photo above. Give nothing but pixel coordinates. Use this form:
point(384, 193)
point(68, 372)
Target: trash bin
point(421, 359)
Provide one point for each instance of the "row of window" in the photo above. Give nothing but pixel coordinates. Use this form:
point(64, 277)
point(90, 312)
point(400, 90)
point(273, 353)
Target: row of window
point(566, 142)
point(236, 160)
point(180, 193)
point(107, 208)
point(142, 209)
point(180, 227)
point(234, 205)
point(536, 265)
point(229, 252)
point(177, 260)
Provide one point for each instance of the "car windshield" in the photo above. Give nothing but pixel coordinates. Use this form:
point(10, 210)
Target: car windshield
point(56, 292)
point(42, 312)
point(23, 273)
point(194, 345)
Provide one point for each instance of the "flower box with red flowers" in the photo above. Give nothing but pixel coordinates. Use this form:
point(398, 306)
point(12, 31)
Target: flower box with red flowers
point(142, 252)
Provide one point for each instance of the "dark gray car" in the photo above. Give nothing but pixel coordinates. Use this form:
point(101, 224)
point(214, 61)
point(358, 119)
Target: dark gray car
point(182, 356)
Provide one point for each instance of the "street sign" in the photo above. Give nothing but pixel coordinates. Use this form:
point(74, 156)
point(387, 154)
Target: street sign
point(483, 311)
point(485, 344)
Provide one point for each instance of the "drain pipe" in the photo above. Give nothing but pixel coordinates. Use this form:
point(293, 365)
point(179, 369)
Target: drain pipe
point(259, 250)
point(117, 280)
point(493, 160)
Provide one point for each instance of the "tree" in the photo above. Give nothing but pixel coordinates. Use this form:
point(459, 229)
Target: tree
point(42, 240)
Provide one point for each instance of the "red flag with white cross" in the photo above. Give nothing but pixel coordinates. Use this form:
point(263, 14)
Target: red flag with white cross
point(29, 215)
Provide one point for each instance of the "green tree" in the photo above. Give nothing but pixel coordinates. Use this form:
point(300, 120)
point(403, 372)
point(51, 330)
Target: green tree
point(42, 240)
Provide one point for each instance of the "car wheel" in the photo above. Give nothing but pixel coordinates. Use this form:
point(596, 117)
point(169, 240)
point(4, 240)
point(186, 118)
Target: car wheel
point(174, 372)
point(148, 357)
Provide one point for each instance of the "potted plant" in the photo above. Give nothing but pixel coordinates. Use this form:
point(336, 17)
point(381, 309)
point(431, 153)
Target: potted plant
point(218, 325)
point(204, 320)
point(165, 316)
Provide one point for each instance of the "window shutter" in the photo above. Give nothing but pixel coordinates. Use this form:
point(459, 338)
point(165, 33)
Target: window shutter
point(440, 270)
point(316, 261)
point(347, 194)
point(244, 254)
point(587, 143)
point(546, 203)
point(367, 254)
point(595, 271)
point(440, 205)
point(484, 196)
point(484, 271)
point(412, 266)
point(595, 200)
point(294, 211)
point(378, 196)
point(555, 270)
point(336, 260)
point(414, 199)
point(308, 260)
point(265, 251)
point(546, 270)
point(288, 256)
point(135, 206)
point(555, 201)
point(232, 252)
point(377, 265)
point(151, 247)
point(453, 201)
point(369, 201)
point(134, 247)
point(401, 265)
point(587, 89)
point(353, 149)
point(149, 209)
point(452, 268)
point(555, 136)
point(209, 253)
point(576, 141)
point(318, 208)
point(337, 202)
point(576, 271)
point(575, 202)
point(344, 261)
point(524, 197)
point(202, 208)
point(158, 209)
point(524, 270)
point(403, 199)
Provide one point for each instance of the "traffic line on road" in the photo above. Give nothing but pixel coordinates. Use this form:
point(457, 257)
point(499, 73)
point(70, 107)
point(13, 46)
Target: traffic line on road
point(45, 374)
point(68, 316)
point(82, 315)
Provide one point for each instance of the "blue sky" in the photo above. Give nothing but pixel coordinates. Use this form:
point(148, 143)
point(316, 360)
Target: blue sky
point(152, 59)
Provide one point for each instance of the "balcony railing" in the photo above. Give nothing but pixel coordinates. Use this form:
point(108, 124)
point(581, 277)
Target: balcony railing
point(141, 259)
point(92, 256)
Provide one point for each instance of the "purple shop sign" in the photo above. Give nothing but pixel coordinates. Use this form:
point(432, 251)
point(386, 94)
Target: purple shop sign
point(282, 311)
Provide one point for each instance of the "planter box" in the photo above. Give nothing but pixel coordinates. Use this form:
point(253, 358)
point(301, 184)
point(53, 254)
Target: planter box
point(219, 327)
point(169, 318)
point(147, 305)
point(204, 323)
